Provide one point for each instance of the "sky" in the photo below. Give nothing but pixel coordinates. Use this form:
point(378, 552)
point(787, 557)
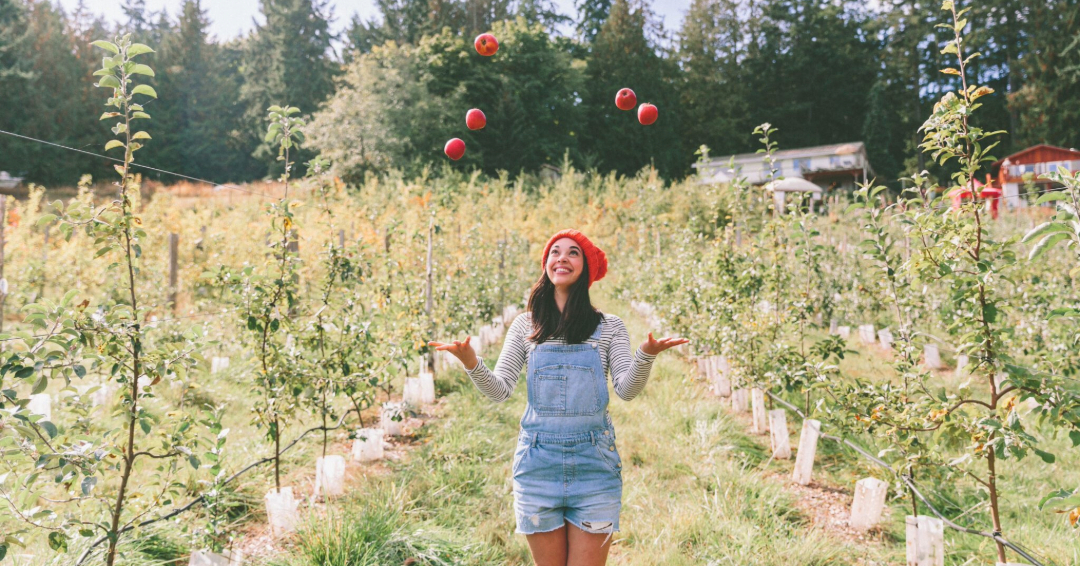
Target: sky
point(232, 18)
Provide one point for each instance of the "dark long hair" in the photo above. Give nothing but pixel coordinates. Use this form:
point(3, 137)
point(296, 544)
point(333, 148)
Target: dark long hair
point(575, 323)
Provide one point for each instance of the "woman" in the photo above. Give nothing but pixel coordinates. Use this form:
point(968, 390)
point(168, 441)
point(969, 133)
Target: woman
point(567, 472)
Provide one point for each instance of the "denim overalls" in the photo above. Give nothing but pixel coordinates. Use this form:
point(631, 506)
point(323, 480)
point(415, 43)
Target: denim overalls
point(566, 467)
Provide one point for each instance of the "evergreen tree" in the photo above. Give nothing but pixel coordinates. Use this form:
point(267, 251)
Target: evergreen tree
point(47, 83)
point(591, 17)
point(613, 139)
point(286, 61)
point(713, 99)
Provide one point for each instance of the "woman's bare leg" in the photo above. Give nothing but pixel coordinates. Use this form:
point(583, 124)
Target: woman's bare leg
point(548, 549)
point(586, 549)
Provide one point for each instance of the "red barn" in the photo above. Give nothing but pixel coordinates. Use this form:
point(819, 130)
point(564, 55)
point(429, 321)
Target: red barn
point(1034, 162)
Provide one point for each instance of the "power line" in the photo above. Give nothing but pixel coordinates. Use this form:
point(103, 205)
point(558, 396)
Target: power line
point(182, 176)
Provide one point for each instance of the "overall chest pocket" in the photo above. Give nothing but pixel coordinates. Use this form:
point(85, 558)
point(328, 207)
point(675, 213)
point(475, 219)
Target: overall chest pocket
point(566, 390)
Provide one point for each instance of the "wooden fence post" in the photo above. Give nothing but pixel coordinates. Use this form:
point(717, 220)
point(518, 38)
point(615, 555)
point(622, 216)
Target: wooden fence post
point(174, 272)
point(3, 241)
point(428, 299)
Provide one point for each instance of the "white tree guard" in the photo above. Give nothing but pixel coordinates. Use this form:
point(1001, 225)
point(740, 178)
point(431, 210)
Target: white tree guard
point(778, 434)
point(866, 334)
point(844, 332)
point(41, 404)
point(740, 400)
point(834, 326)
point(218, 364)
point(387, 423)
point(412, 393)
point(961, 365)
point(368, 445)
point(804, 459)
point(931, 356)
point(925, 541)
point(868, 504)
point(282, 511)
point(427, 388)
point(330, 476)
point(207, 558)
point(721, 382)
point(757, 399)
point(885, 337)
point(477, 345)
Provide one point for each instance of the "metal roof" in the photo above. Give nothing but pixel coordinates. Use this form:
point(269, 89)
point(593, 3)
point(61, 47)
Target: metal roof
point(800, 153)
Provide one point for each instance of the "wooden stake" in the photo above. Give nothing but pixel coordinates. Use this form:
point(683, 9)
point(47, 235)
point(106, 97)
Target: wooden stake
point(174, 251)
point(3, 282)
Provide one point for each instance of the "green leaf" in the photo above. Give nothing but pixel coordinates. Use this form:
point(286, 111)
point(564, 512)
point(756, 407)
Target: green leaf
point(1051, 196)
point(252, 324)
point(88, 484)
point(1043, 229)
point(39, 385)
point(195, 463)
point(109, 82)
point(145, 89)
point(107, 46)
point(140, 115)
point(140, 69)
point(113, 144)
point(3, 550)
point(107, 115)
point(1074, 436)
point(1046, 243)
point(1046, 456)
point(58, 541)
point(50, 428)
point(144, 425)
point(138, 49)
point(45, 219)
point(141, 136)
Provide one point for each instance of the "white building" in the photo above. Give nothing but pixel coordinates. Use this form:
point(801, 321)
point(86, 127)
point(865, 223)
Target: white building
point(838, 166)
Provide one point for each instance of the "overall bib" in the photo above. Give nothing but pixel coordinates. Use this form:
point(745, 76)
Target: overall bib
point(566, 467)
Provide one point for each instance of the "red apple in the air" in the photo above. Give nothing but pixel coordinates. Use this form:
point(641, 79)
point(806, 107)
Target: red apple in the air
point(486, 44)
point(475, 119)
point(625, 99)
point(455, 148)
point(646, 114)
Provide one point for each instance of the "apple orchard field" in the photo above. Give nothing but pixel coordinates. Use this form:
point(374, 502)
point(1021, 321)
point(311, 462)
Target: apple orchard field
point(240, 374)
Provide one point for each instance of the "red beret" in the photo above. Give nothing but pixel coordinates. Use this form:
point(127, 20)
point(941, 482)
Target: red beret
point(595, 257)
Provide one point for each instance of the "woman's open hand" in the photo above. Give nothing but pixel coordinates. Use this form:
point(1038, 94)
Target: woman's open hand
point(461, 350)
point(653, 346)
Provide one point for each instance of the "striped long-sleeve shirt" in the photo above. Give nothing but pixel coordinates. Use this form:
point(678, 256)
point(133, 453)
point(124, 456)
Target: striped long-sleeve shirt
point(628, 373)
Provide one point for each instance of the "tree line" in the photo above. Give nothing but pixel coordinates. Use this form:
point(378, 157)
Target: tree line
point(387, 93)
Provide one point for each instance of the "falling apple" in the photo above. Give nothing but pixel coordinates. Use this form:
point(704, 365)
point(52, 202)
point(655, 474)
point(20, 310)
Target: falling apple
point(646, 114)
point(625, 99)
point(455, 148)
point(486, 44)
point(475, 119)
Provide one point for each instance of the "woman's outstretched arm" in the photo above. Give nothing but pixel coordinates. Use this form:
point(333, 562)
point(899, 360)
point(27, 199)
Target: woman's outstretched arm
point(499, 384)
point(629, 373)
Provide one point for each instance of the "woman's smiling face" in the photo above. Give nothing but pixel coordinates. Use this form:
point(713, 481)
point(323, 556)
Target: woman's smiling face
point(565, 262)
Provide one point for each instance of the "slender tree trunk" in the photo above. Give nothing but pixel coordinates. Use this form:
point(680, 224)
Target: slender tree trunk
point(136, 349)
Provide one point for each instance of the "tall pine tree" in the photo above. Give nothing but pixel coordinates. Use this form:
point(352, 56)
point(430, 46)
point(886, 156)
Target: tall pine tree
point(286, 61)
point(623, 57)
